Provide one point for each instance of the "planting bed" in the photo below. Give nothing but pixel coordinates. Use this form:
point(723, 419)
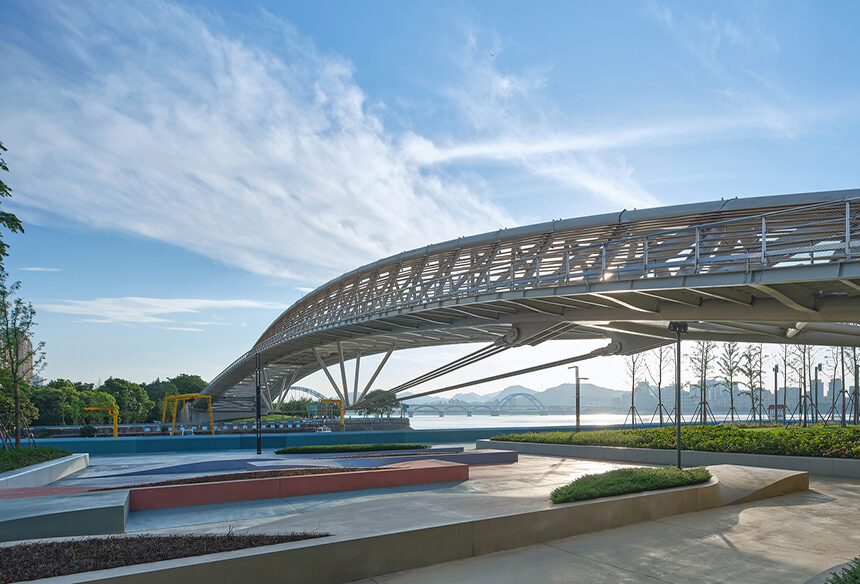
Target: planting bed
point(623, 481)
point(15, 458)
point(335, 448)
point(830, 442)
point(44, 560)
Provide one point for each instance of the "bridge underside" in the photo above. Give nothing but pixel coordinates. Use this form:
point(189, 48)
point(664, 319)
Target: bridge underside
point(797, 305)
point(783, 269)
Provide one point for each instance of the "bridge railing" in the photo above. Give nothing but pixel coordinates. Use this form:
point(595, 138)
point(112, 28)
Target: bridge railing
point(807, 234)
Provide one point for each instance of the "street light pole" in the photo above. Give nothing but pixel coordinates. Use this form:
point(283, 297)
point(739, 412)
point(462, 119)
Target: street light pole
point(578, 379)
point(678, 328)
point(776, 392)
point(815, 402)
point(259, 404)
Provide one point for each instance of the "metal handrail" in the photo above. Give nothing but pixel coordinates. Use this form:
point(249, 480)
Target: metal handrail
point(803, 234)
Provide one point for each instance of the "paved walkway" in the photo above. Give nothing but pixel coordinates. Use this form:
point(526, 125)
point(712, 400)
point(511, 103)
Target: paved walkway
point(784, 539)
point(491, 491)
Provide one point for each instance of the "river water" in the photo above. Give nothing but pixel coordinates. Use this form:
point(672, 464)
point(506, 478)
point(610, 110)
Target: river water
point(512, 421)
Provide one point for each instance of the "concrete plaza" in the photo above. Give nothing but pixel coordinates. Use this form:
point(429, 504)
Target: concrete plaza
point(792, 538)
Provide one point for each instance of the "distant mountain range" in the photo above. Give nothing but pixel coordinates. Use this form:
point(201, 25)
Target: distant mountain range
point(560, 395)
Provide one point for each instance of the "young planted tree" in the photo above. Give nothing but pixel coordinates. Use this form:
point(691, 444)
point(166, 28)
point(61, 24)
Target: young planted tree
point(635, 364)
point(701, 364)
point(729, 365)
point(7, 220)
point(832, 360)
point(659, 362)
point(20, 358)
point(751, 368)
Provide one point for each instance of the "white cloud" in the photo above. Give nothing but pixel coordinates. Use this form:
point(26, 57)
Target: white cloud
point(159, 124)
point(132, 309)
point(37, 269)
point(208, 323)
point(183, 328)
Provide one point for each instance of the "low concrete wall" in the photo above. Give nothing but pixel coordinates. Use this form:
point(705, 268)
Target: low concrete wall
point(270, 488)
point(336, 560)
point(39, 475)
point(848, 468)
point(89, 514)
point(207, 442)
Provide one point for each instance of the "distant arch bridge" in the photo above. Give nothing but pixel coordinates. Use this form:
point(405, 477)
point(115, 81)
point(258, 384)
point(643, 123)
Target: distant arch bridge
point(777, 269)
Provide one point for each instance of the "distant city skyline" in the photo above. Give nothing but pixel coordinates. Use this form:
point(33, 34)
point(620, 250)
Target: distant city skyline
point(186, 171)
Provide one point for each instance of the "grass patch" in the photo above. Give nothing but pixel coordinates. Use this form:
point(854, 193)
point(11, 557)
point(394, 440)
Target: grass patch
point(850, 574)
point(325, 448)
point(829, 441)
point(44, 560)
point(13, 458)
point(628, 480)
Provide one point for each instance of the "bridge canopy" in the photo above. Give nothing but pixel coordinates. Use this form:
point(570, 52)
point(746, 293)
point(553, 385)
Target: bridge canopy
point(776, 269)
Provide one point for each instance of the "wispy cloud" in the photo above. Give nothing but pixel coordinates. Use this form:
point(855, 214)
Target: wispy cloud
point(183, 328)
point(133, 309)
point(271, 162)
point(37, 269)
point(208, 323)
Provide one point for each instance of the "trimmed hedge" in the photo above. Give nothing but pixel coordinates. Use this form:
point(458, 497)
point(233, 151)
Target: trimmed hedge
point(623, 481)
point(13, 458)
point(326, 448)
point(831, 442)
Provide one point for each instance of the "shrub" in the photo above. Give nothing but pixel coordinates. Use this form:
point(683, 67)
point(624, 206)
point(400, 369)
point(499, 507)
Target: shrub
point(850, 574)
point(628, 480)
point(325, 448)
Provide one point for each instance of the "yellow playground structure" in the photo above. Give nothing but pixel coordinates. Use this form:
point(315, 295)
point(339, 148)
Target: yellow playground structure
point(183, 398)
point(114, 410)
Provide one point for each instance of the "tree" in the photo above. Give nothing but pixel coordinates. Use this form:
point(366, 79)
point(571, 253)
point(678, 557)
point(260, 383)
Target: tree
point(729, 364)
point(20, 359)
point(134, 404)
point(157, 391)
point(186, 383)
point(635, 363)
point(751, 368)
point(378, 403)
point(7, 220)
point(701, 362)
point(655, 367)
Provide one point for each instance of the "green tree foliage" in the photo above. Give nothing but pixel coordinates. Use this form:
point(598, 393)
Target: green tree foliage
point(297, 407)
point(186, 383)
point(157, 391)
point(62, 402)
point(134, 404)
point(379, 403)
point(21, 359)
point(7, 220)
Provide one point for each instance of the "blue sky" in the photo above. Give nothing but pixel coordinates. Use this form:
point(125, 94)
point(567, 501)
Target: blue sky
point(188, 170)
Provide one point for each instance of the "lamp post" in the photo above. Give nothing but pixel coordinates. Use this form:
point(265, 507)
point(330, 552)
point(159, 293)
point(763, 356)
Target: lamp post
point(259, 404)
point(578, 379)
point(815, 395)
point(776, 392)
point(678, 328)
